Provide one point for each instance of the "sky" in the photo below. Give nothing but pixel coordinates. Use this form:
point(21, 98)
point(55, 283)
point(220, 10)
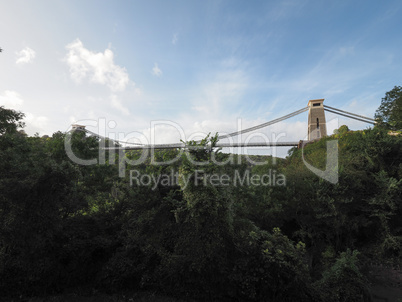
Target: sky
point(161, 71)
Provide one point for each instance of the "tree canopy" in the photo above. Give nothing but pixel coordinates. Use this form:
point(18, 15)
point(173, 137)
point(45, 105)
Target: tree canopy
point(10, 120)
point(389, 114)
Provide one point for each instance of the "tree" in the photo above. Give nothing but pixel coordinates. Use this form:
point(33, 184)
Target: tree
point(343, 281)
point(389, 114)
point(37, 195)
point(10, 120)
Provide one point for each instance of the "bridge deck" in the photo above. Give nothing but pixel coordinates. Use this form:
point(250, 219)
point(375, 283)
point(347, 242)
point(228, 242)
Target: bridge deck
point(218, 145)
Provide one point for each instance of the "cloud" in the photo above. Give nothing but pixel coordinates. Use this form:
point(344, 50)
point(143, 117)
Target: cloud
point(175, 39)
point(98, 67)
point(26, 55)
point(116, 103)
point(156, 70)
point(37, 123)
point(222, 93)
point(11, 100)
point(346, 50)
point(213, 107)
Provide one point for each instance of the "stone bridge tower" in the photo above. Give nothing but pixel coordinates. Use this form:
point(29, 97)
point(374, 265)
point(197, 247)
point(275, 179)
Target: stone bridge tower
point(316, 120)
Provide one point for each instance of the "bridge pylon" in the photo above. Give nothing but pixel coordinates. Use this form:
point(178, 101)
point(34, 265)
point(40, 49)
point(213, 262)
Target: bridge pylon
point(317, 127)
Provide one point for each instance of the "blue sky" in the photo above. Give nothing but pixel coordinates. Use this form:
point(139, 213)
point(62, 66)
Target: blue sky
point(202, 65)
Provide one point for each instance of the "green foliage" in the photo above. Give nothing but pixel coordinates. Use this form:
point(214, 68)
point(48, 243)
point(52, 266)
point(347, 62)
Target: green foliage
point(389, 114)
point(283, 271)
point(10, 120)
point(204, 201)
point(35, 193)
point(343, 281)
point(343, 130)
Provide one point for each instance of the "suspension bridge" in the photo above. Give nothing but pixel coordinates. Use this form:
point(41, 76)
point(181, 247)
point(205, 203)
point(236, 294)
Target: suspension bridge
point(316, 129)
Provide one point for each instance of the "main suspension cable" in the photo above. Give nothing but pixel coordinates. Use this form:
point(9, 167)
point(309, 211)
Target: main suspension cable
point(357, 115)
point(264, 124)
point(352, 117)
point(105, 138)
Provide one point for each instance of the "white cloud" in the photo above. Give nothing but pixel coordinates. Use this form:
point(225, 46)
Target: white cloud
point(156, 70)
point(98, 67)
point(38, 123)
point(11, 100)
point(222, 93)
point(116, 103)
point(175, 39)
point(26, 55)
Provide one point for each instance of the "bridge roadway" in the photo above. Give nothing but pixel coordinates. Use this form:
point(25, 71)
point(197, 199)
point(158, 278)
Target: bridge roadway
point(218, 145)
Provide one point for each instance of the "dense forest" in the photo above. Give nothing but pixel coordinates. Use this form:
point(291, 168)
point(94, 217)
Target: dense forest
point(298, 237)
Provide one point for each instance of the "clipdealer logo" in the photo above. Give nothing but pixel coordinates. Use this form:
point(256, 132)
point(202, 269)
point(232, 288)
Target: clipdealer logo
point(330, 173)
